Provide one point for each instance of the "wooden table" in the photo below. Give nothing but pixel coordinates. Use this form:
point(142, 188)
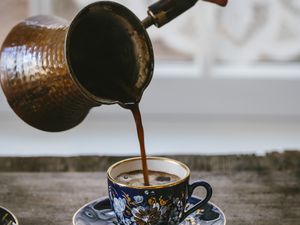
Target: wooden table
point(253, 197)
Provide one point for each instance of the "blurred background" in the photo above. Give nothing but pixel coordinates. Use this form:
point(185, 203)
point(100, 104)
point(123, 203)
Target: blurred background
point(226, 81)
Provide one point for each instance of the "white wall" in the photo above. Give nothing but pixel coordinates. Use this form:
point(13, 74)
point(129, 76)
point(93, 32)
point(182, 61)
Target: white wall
point(242, 105)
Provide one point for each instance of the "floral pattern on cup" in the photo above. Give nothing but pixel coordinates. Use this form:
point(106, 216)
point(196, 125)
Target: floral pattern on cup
point(150, 208)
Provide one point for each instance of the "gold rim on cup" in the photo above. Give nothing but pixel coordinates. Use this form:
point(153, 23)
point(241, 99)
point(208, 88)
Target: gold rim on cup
point(154, 186)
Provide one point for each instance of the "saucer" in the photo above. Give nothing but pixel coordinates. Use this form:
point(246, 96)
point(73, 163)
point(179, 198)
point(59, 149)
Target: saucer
point(99, 212)
point(7, 218)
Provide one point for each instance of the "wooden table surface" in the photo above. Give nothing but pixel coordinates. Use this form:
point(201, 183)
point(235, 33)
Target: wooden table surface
point(260, 198)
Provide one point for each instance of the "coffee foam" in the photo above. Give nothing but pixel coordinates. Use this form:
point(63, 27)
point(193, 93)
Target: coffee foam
point(135, 178)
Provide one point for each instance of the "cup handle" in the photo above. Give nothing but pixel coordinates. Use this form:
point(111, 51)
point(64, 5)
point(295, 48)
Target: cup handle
point(191, 189)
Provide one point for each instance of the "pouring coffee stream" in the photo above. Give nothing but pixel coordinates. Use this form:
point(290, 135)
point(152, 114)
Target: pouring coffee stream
point(52, 72)
point(141, 137)
point(159, 14)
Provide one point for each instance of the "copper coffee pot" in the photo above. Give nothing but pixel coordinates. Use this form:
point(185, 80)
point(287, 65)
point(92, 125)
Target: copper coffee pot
point(53, 73)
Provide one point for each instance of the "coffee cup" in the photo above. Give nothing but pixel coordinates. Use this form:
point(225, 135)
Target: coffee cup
point(156, 204)
point(7, 217)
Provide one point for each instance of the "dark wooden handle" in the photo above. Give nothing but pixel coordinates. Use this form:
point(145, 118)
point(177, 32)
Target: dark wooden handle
point(163, 11)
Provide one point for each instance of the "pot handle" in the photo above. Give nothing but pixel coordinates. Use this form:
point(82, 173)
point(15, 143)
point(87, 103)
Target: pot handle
point(164, 11)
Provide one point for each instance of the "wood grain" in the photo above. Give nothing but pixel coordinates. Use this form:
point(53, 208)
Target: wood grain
point(288, 160)
point(260, 198)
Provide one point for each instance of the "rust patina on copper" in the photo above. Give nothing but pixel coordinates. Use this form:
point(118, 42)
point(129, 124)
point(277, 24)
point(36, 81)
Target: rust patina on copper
point(53, 73)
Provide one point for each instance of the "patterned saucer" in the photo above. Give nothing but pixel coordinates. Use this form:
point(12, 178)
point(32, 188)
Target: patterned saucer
point(7, 218)
point(99, 212)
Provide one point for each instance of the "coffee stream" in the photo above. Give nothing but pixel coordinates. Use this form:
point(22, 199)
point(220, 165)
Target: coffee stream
point(140, 131)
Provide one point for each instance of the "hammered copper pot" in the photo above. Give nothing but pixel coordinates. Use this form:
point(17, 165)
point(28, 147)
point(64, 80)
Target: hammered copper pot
point(53, 73)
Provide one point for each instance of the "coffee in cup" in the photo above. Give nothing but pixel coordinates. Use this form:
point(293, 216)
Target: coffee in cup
point(136, 178)
point(163, 202)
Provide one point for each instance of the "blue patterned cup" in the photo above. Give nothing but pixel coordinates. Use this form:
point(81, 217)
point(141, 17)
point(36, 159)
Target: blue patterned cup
point(153, 205)
point(7, 218)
